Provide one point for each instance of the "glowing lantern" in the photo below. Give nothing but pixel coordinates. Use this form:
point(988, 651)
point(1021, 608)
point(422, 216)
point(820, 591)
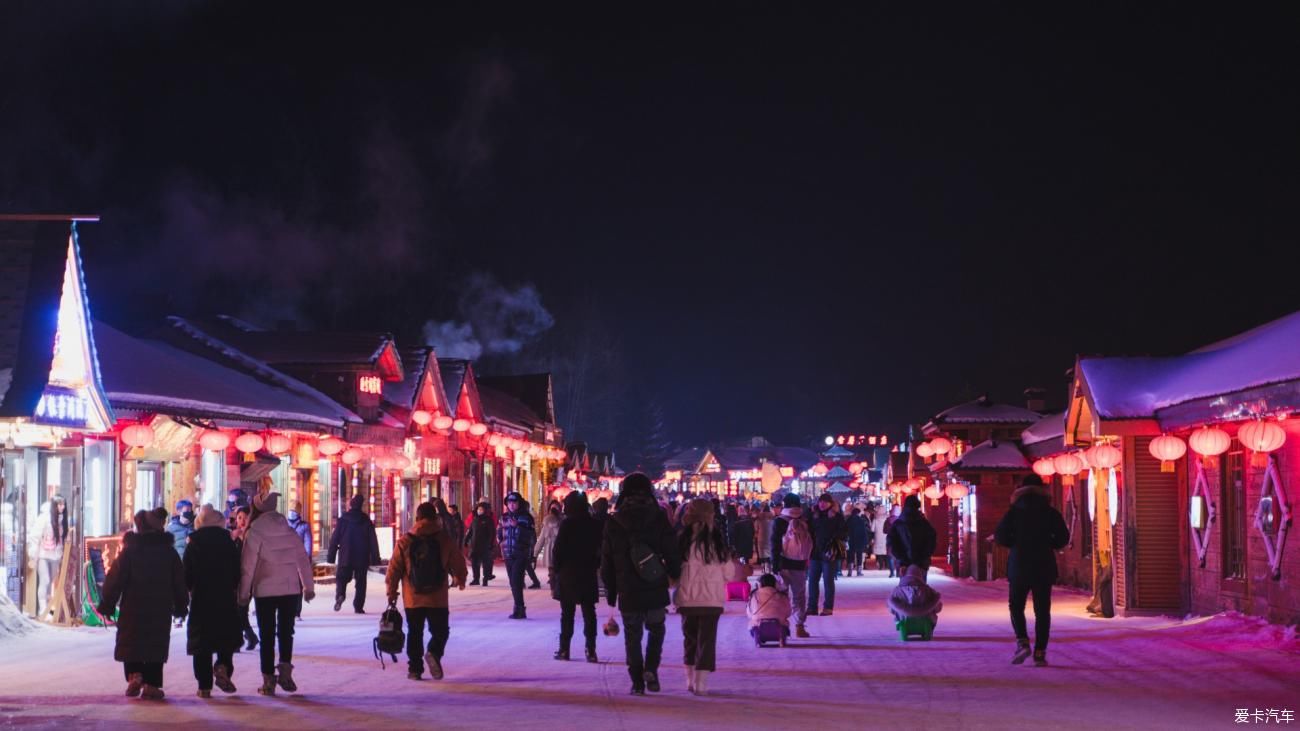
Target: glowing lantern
point(896, 488)
point(1105, 457)
point(1261, 437)
point(478, 430)
point(1044, 467)
point(933, 492)
point(214, 441)
point(443, 422)
point(248, 442)
point(401, 462)
point(925, 451)
point(560, 493)
point(534, 450)
point(956, 491)
point(137, 435)
point(330, 446)
point(494, 440)
point(421, 417)
point(460, 425)
point(278, 443)
point(1168, 449)
point(351, 456)
point(1209, 442)
point(941, 446)
point(384, 462)
point(1067, 465)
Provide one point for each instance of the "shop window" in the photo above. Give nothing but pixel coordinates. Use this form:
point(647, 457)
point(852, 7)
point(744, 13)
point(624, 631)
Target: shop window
point(100, 467)
point(1232, 483)
point(12, 474)
point(212, 479)
point(148, 486)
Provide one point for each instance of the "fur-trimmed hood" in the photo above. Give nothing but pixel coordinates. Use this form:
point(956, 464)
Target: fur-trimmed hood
point(1031, 493)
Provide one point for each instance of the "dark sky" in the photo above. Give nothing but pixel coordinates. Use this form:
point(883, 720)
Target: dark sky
point(763, 218)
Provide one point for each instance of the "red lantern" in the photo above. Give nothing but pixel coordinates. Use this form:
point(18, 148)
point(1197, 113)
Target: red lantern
point(401, 462)
point(351, 456)
point(933, 492)
point(248, 442)
point(1067, 466)
point(478, 429)
point(956, 491)
point(941, 446)
point(138, 435)
point(1168, 449)
point(1044, 468)
point(1105, 457)
point(1209, 442)
point(278, 443)
point(214, 441)
point(460, 425)
point(421, 417)
point(1261, 437)
point(494, 440)
point(443, 423)
point(330, 446)
point(925, 451)
point(384, 462)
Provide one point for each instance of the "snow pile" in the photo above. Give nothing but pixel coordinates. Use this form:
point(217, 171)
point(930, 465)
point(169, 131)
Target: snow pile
point(12, 621)
point(1234, 631)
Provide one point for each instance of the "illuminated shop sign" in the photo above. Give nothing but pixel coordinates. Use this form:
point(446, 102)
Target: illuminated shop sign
point(370, 384)
point(858, 440)
point(63, 407)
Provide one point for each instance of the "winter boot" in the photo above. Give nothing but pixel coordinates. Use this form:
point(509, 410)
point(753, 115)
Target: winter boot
point(151, 693)
point(338, 603)
point(205, 692)
point(251, 637)
point(134, 682)
point(652, 681)
point(1022, 652)
point(518, 614)
point(285, 677)
point(701, 682)
point(434, 665)
point(415, 676)
point(1040, 658)
point(221, 678)
point(268, 685)
point(562, 654)
point(690, 678)
point(591, 654)
point(801, 632)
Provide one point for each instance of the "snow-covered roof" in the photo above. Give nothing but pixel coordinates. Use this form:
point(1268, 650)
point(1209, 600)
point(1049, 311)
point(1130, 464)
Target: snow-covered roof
point(992, 455)
point(146, 374)
point(984, 411)
point(837, 452)
point(838, 472)
point(1135, 388)
point(1046, 428)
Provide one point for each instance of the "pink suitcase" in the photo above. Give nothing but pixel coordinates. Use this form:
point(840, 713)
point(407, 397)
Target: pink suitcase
point(737, 591)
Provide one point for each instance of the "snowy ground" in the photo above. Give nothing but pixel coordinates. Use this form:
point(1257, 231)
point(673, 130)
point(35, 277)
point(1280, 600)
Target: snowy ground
point(853, 673)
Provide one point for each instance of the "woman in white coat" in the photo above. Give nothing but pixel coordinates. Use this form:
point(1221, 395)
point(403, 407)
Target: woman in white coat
point(276, 571)
point(701, 591)
point(878, 540)
point(46, 537)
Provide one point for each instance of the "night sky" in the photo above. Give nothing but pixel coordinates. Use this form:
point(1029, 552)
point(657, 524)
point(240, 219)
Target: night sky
point(755, 217)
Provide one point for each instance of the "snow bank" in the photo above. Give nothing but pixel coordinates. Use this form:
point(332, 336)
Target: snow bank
point(12, 621)
point(1233, 631)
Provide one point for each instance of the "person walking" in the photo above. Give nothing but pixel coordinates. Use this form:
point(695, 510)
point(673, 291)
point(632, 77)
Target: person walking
point(274, 569)
point(355, 545)
point(241, 517)
point(638, 558)
point(879, 540)
point(181, 526)
point(911, 538)
point(215, 627)
point(575, 561)
point(742, 535)
point(517, 535)
point(455, 529)
point(301, 527)
point(1034, 531)
point(147, 578)
point(422, 563)
point(46, 542)
point(546, 534)
point(859, 533)
point(791, 546)
point(763, 536)
point(701, 592)
point(481, 540)
point(828, 532)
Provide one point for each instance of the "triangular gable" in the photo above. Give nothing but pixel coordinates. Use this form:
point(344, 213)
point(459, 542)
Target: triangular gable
point(468, 405)
point(709, 464)
point(430, 395)
point(388, 362)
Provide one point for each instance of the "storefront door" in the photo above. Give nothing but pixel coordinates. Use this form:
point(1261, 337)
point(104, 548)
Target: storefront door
point(13, 523)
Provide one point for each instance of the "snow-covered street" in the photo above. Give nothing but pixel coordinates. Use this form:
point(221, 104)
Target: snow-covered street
point(854, 672)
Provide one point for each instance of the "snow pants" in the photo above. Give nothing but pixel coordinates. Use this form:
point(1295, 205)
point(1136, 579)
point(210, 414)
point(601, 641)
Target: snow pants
point(1042, 591)
point(821, 572)
point(275, 624)
point(797, 581)
point(700, 636)
point(653, 622)
point(439, 621)
point(203, 666)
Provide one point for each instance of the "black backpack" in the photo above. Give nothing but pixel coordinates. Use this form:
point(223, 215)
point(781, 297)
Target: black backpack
point(647, 563)
point(391, 639)
point(426, 572)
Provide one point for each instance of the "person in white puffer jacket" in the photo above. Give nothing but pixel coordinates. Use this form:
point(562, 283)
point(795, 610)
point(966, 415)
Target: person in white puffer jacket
point(276, 571)
point(701, 592)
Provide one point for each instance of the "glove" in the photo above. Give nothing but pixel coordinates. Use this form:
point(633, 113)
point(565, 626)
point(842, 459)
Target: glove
point(308, 596)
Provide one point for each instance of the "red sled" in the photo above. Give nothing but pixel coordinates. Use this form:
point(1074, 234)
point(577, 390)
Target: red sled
point(738, 591)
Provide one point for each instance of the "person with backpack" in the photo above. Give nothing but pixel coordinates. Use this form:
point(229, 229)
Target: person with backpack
point(517, 535)
point(148, 579)
point(859, 534)
point(274, 569)
point(355, 546)
point(638, 558)
point(1034, 531)
point(422, 563)
point(575, 561)
point(701, 592)
point(911, 538)
point(791, 546)
point(215, 626)
point(828, 532)
point(480, 538)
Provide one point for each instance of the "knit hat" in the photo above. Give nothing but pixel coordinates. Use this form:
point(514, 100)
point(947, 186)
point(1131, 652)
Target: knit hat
point(790, 501)
point(267, 503)
point(209, 517)
point(699, 511)
point(637, 484)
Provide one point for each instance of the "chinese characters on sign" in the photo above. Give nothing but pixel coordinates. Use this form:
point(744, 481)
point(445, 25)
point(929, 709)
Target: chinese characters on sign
point(370, 384)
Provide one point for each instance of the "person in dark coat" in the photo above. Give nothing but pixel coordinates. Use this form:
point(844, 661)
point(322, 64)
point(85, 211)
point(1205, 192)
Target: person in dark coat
point(828, 533)
point(147, 578)
point(642, 603)
point(859, 535)
point(481, 540)
point(911, 538)
point(181, 525)
point(215, 625)
point(356, 546)
point(1034, 531)
point(742, 534)
point(517, 534)
point(575, 561)
point(301, 527)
